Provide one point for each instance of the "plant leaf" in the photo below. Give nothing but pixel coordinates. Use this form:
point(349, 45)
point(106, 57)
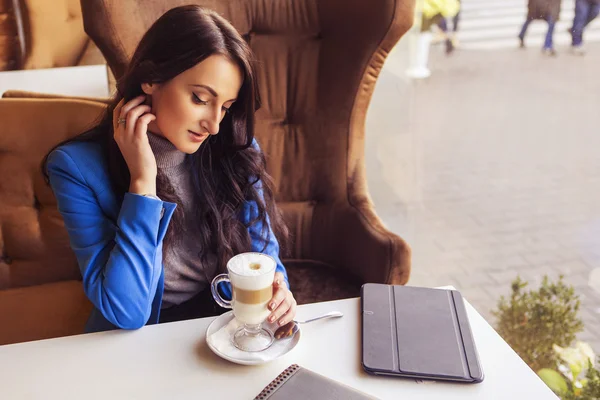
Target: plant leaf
point(554, 380)
point(575, 370)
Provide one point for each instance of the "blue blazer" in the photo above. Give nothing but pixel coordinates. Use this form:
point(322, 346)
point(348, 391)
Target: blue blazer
point(118, 245)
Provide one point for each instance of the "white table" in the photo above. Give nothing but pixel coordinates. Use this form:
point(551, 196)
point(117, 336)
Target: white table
point(173, 361)
point(88, 80)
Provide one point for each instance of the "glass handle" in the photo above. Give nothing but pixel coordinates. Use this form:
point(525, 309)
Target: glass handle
point(215, 292)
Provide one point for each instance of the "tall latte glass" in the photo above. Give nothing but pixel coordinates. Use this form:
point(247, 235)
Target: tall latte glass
point(251, 276)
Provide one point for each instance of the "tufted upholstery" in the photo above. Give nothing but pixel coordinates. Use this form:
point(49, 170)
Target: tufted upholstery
point(11, 37)
point(33, 241)
point(318, 64)
point(319, 61)
point(54, 35)
point(34, 247)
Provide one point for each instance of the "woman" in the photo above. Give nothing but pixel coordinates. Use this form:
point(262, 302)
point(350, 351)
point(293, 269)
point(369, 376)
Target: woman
point(547, 10)
point(171, 183)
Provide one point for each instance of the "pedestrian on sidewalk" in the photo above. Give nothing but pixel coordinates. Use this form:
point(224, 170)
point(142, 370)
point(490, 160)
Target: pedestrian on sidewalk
point(585, 12)
point(455, 21)
point(546, 10)
point(449, 35)
point(436, 12)
point(432, 13)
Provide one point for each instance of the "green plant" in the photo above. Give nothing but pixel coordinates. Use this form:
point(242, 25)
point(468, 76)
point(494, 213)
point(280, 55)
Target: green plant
point(577, 379)
point(532, 321)
point(590, 389)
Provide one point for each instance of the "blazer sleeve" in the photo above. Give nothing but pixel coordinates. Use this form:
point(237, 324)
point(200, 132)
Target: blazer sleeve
point(120, 263)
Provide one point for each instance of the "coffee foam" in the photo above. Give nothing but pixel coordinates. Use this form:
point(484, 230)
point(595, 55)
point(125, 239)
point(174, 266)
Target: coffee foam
point(245, 277)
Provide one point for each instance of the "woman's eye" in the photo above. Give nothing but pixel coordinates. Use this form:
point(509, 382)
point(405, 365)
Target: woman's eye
point(198, 100)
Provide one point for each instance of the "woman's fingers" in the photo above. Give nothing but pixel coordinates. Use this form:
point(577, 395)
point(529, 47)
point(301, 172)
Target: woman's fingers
point(141, 125)
point(286, 307)
point(130, 135)
point(116, 113)
point(289, 315)
point(133, 117)
point(122, 108)
point(277, 298)
point(131, 104)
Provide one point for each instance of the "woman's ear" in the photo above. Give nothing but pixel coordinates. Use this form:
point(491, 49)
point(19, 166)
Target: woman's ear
point(148, 88)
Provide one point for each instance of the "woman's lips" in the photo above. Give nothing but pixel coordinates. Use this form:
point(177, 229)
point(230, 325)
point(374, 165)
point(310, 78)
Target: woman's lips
point(196, 137)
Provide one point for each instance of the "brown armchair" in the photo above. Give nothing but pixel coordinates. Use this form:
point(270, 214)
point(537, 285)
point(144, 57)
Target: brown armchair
point(319, 64)
point(41, 295)
point(319, 61)
point(47, 34)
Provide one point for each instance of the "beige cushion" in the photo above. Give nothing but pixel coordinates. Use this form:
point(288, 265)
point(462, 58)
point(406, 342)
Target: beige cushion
point(34, 246)
point(43, 312)
point(55, 35)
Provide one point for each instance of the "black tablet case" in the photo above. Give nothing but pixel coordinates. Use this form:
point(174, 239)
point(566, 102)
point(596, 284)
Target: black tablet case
point(417, 332)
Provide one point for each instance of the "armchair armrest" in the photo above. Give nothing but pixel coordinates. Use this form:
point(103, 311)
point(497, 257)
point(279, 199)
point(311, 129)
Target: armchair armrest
point(43, 312)
point(23, 94)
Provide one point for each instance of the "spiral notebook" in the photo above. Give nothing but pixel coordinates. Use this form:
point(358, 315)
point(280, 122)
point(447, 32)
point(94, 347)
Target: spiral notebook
point(419, 333)
point(298, 383)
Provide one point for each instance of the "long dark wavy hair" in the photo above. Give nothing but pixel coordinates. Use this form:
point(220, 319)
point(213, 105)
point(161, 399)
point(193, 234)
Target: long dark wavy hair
point(227, 168)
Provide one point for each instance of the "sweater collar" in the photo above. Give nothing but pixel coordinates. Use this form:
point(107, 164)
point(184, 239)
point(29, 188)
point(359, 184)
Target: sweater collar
point(167, 155)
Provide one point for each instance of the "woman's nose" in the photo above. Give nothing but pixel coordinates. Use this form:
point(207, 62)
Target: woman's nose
point(213, 122)
point(212, 128)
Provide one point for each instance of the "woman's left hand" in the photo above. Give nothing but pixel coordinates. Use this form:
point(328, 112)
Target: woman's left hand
point(283, 304)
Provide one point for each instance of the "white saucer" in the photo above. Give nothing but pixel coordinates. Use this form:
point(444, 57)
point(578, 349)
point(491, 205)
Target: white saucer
point(229, 352)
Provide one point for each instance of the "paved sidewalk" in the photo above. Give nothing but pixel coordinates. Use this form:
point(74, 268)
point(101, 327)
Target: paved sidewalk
point(491, 169)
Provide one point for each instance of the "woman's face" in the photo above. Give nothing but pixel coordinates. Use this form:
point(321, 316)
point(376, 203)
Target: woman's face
point(190, 107)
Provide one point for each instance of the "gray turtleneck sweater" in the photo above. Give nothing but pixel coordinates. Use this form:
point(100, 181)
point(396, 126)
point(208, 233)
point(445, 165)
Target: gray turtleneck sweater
point(185, 276)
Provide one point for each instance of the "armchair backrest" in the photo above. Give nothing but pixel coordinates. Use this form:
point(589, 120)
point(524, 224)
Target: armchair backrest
point(34, 246)
point(319, 61)
point(54, 33)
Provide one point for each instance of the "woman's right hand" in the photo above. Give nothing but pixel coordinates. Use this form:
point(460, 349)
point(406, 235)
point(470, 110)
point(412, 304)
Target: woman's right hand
point(132, 139)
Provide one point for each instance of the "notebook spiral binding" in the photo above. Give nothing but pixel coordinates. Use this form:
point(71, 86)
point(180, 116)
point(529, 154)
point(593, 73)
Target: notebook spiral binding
point(280, 380)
